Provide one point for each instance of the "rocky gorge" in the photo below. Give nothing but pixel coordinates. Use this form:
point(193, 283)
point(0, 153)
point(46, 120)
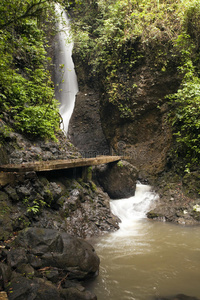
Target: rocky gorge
point(46, 218)
point(49, 204)
point(145, 142)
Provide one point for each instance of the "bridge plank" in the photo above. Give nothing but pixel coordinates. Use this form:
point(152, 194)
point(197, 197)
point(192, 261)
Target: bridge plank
point(40, 166)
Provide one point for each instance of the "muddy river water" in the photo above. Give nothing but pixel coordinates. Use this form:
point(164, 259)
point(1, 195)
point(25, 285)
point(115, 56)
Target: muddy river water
point(145, 259)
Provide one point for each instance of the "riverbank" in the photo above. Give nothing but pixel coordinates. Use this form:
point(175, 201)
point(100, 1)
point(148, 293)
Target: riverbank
point(178, 200)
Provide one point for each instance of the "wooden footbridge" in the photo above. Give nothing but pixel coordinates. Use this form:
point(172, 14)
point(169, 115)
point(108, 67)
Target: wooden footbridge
point(9, 173)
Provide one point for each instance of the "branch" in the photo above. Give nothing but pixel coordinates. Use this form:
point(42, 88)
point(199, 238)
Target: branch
point(32, 10)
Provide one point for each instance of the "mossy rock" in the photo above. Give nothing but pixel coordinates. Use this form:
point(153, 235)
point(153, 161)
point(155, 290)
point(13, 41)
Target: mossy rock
point(191, 184)
point(154, 215)
point(6, 229)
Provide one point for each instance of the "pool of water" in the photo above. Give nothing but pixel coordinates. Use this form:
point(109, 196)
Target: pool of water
point(145, 259)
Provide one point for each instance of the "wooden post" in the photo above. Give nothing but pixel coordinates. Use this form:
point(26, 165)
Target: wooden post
point(87, 174)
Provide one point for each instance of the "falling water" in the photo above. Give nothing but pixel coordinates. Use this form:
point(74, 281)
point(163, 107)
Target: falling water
point(66, 86)
point(144, 259)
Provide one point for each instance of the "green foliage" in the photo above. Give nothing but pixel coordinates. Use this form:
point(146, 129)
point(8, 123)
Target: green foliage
point(39, 121)
point(114, 37)
point(186, 120)
point(185, 115)
point(120, 164)
point(36, 207)
point(26, 88)
point(192, 21)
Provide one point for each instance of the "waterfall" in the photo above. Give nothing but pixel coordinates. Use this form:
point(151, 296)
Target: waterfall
point(66, 86)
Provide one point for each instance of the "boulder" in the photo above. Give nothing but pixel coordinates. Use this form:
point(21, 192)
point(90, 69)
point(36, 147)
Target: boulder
point(5, 274)
point(74, 294)
point(50, 248)
point(118, 179)
point(24, 288)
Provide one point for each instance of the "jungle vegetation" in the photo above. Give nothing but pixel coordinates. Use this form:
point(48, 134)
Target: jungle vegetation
point(114, 36)
point(106, 34)
point(26, 88)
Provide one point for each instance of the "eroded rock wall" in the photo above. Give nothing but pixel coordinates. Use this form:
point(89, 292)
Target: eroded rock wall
point(146, 137)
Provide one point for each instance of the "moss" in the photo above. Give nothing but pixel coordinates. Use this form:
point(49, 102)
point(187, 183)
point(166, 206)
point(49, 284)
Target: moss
point(93, 186)
point(154, 215)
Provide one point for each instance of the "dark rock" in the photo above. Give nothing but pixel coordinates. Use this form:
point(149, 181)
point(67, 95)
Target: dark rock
point(13, 151)
point(25, 269)
point(73, 293)
point(31, 175)
point(51, 274)
point(5, 223)
point(12, 193)
point(118, 179)
point(5, 275)
point(85, 129)
point(191, 183)
point(3, 196)
point(59, 250)
point(20, 222)
point(52, 193)
point(6, 228)
point(92, 216)
point(154, 215)
point(21, 288)
point(24, 191)
point(145, 134)
point(16, 257)
point(72, 202)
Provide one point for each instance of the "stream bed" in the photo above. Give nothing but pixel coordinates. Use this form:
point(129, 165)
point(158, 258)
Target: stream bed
point(146, 259)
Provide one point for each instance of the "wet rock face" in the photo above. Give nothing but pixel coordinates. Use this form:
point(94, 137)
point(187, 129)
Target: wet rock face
point(46, 264)
point(174, 205)
point(17, 149)
point(118, 179)
point(57, 202)
point(85, 129)
point(51, 248)
point(145, 136)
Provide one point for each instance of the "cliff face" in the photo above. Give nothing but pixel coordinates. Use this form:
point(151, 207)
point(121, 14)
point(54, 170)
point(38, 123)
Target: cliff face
point(145, 137)
point(85, 129)
point(131, 57)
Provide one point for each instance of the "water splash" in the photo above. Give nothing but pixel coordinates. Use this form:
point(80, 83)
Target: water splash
point(134, 208)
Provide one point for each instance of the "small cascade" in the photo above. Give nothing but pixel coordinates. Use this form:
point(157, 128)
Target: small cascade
point(134, 208)
point(65, 79)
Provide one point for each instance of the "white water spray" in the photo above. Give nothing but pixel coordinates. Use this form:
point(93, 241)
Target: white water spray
point(65, 76)
point(133, 209)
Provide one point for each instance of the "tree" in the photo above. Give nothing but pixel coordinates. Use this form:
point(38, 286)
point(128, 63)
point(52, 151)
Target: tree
point(13, 11)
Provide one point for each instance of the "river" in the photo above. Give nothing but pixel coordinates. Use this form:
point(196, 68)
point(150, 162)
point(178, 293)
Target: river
point(146, 259)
